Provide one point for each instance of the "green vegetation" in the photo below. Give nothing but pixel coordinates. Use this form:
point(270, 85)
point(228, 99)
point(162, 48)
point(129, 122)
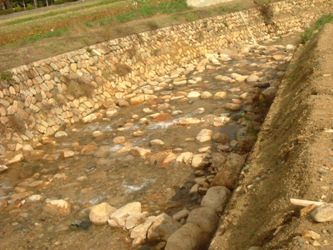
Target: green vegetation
point(190, 17)
point(6, 75)
point(51, 33)
point(315, 28)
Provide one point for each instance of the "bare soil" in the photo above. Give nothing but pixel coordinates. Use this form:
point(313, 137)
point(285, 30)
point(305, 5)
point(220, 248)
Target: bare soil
point(292, 158)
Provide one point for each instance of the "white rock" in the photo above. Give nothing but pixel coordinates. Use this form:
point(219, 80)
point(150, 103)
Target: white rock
point(34, 198)
point(111, 112)
point(193, 94)
point(204, 135)
point(206, 95)
point(223, 78)
point(118, 218)
point(185, 157)
point(134, 220)
point(60, 134)
point(68, 153)
point(141, 230)
point(27, 148)
point(199, 161)
point(3, 168)
point(89, 118)
point(100, 213)
point(216, 198)
point(189, 121)
point(59, 207)
point(220, 95)
point(252, 78)
point(97, 133)
point(290, 47)
point(156, 142)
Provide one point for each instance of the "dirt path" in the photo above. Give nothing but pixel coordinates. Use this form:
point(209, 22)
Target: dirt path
point(291, 159)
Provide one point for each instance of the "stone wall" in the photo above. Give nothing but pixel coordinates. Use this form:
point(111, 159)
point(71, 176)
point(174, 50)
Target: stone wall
point(40, 98)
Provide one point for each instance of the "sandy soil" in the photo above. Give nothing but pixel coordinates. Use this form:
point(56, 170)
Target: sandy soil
point(293, 158)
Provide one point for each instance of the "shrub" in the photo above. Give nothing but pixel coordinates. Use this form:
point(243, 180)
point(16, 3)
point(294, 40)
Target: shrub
point(6, 75)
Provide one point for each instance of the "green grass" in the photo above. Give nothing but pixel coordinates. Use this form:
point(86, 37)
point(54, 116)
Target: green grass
point(61, 12)
point(49, 34)
point(190, 17)
point(308, 33)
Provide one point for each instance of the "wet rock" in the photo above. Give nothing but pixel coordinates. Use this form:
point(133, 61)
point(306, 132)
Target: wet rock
point(193, 94)
point(216, 198)
point(35, 198)
point(269, 93)
point(220, 95)
point(137, 99)
point(229, 174)
point(67, 153)
point(3, 168)
point(188, 237)
point(58, 207)
point(100, 213)
point(205, 135)
point(60, 134)
point(220, 138)
point(89, 118)
point(13, 159)
point(252, 78)
point(118, 218)
point(140, 152)
point(323, 213)
point(181, 214)
point(141, 230)
point(164, 117)
point(111, 112)
point(290, 47)
point(205, 218)
point(97, 133)
point(185, 157)
point(232, 106)
point(189, 121)
point(138, 133)
point(238, 77)
point(199, 161)
point(206, 95)
point(311, 235)
point(223, 78)
point(20, 196)
point(162, 227)
point(119, 140)
point(134, 220)
point(218, 160)
point(156, 142)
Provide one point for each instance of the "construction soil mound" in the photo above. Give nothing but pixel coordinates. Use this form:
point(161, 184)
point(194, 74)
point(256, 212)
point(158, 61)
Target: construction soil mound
point(292, 158)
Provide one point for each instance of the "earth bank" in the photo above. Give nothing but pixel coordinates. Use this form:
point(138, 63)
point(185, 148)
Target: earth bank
point(292, 158)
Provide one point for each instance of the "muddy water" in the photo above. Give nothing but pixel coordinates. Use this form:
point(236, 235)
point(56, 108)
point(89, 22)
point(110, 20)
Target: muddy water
point(94, 164)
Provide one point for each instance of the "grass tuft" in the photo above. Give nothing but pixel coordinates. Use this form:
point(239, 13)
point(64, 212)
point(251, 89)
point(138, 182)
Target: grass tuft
point(308, 33)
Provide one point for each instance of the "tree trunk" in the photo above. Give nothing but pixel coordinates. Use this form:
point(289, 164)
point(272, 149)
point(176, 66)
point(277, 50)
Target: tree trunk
point(47, 2)
point(35, 3)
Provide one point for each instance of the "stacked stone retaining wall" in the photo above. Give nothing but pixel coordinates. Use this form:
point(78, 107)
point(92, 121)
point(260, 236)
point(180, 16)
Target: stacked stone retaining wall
point(40, 98)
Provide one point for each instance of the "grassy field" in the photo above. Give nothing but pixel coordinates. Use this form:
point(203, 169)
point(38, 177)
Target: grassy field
point(33, 35)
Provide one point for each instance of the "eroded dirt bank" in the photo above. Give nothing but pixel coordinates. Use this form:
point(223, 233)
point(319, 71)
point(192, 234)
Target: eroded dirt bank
point(293, 158)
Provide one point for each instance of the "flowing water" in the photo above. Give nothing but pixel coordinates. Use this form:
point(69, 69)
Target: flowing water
point(94, 162)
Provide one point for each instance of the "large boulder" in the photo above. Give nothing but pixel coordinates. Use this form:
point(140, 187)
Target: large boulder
point(229, 174)
point(162, 228)
point(188, 237)
point(216, 198)
point(118, 218)
point(100, 213)
point(205, 218)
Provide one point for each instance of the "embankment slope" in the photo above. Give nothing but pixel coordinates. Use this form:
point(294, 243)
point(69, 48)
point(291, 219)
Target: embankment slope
point(291, 159)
